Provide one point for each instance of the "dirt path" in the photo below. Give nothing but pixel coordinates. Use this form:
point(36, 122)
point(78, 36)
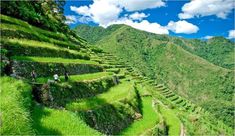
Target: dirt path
point(182, 130)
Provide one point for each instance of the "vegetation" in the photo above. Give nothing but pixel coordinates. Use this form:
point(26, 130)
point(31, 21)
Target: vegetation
point(47, 121)
point(159, 57)
point(47, 14)
point(52, 60)
point(122, 91)
point(145, 84)
point(15, 101)
point(147, 122)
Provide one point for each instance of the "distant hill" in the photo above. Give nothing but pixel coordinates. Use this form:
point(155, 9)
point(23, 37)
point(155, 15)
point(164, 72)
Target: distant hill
point(183, 65)
point(217, 50)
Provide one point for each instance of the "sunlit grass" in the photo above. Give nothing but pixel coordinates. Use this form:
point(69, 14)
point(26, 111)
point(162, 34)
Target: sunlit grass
point(77, 78)
point(119, 92)
point(47, 121)
point(148, 120)
point(15, 103)
point(172, 121)
point(53, 60)
point(33, 43)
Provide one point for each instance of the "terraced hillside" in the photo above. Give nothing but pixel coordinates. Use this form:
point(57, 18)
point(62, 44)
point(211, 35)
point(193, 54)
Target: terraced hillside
point(174, 62)
point(103, 95)
point(97, 99)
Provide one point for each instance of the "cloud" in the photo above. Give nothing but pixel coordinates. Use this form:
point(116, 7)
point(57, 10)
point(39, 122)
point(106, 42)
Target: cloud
point(83, 10)
point(231, 34)
point(200, 8)
point(101, 11)
point(137, 5)
point(108, 12)
point(207, 37)
point(143, 25)
point(138, 16)
point(182, 26)
point(71, 19)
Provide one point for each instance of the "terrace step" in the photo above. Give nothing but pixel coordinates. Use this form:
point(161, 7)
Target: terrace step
point(12, 30)
point(54, 119)
point(45, 66)
point(23, 47)
point(122, 92)
point(149, 118)
point(78, 87)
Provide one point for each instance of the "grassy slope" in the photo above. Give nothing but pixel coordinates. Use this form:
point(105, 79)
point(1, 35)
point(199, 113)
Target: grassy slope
point(47, 121)
point(148, 120)
point(119, 92)
point(53, 60)
point(172, 121)
point(77, 78)
point(15, 101)
point(189, 75)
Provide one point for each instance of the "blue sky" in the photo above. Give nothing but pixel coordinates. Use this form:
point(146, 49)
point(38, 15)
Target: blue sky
point(189, 19)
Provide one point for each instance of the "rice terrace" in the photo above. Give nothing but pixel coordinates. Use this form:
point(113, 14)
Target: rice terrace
point(117, 67)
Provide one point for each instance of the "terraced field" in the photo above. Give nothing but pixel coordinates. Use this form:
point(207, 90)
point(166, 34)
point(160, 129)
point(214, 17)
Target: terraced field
point(104, 95)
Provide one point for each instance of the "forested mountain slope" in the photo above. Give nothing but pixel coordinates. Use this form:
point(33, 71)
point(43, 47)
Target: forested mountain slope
point(164, 60)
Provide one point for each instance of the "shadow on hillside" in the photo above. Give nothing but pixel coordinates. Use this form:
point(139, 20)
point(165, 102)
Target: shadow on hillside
point(38, 114)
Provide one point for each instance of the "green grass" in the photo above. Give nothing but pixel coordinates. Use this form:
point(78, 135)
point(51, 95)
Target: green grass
point(47, 121)
point(34, 34)
point(33, 43)
point(15, 101)
point(53, 60)
point(77, 78)
point(120, 92)
point(172, 121)
point(115, 70)
point(148, 120)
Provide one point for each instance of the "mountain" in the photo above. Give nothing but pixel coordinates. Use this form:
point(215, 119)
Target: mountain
point(217, 50)
point(191, 68)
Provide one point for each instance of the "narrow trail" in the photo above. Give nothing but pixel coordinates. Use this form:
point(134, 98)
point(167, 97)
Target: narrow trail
point(182, 130)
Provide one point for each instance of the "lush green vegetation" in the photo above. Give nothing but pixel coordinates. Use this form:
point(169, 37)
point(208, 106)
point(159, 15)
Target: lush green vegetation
point(117, 93)
point(159, 57)
point(148, 121)
point(77, 78)
point(95, 101)
point(15, 101)
point(172, 121)
point(52, 60)
point(48, 15)
point(217, 50)
point(47, 121)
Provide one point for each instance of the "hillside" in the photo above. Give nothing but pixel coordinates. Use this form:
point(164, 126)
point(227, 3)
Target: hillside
point(217, 50)
point(55, 83)
point(162, 59)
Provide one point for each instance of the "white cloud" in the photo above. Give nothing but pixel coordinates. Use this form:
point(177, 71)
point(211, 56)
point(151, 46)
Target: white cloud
point(138, 16)
point(207, 37)
point(108, 12)
point(70, 19)
point(182, 26)
point(134, 5)
point(200, 8)
point(143, 25)
point(83, 10)
point(231, 34)
point(101, 11)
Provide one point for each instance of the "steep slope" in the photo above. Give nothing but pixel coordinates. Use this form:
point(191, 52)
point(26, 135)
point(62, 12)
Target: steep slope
point(217, 50)
point(159, 57)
